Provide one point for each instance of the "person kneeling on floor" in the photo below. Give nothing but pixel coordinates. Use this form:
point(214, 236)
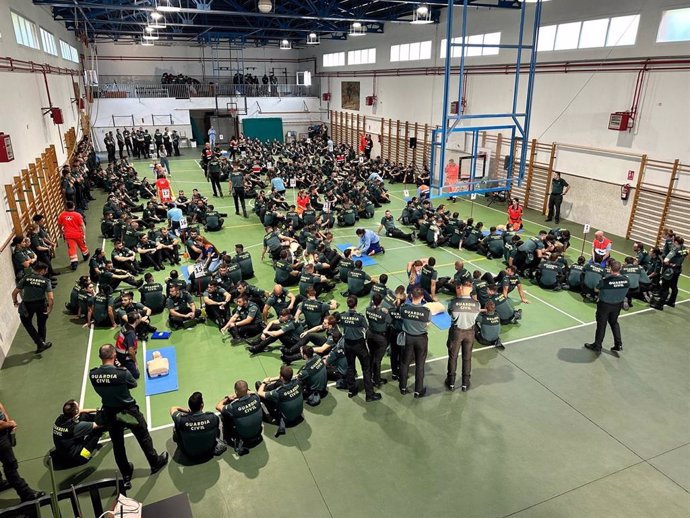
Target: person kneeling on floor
point(313, 377)
point(196, 432)
point(504, 306)
point(282, 398)
point(76, 433)
point(487, 329)
point(242, 418)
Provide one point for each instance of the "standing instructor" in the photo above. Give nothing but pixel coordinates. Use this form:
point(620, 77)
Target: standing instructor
point(559, 188)
point(612, 291)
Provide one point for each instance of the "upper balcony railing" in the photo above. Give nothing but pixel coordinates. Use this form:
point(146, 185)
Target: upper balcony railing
point(186, 91)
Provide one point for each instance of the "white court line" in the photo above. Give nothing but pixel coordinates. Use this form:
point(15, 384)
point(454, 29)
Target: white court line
point(148, 398)
point(89, 346)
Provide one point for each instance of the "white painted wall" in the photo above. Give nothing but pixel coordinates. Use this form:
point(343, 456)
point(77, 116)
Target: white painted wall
point(21, 97)
point(297, 113)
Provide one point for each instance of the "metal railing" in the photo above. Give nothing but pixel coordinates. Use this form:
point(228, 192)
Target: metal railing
point(185, 91)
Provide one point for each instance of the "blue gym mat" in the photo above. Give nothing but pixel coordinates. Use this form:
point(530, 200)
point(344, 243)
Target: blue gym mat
point(162, 384)
point(499, 232)
point(184, 270)
point(367, 260)
point(442, 321)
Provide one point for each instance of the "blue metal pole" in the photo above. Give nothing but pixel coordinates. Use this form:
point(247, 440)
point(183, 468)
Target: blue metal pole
point(530, 81)
point(434, 134)
point(446, 87)
point(461, 77)
point(511, 156)
point(475, 152)
point(516, 88)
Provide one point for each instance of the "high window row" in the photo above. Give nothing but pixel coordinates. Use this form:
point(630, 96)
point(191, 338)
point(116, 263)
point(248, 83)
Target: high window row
point(27, 34)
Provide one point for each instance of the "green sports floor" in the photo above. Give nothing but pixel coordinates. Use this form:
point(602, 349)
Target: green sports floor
point(547, 430)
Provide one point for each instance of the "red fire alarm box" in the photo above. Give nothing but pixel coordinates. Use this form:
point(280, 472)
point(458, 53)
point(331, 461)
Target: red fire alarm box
point(370, 100)
point(454, 107)
point(620, 121)
point(56, 115)
point(6, 153)
point(327, 96)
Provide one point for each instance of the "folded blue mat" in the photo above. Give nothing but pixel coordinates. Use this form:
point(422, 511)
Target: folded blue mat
point(161, 335)
point(367, 260)
point(442, 321)
point(162, 384)
point(184, 270)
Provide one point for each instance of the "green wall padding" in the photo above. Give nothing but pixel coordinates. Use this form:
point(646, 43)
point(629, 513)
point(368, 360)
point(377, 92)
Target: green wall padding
point(263, 128)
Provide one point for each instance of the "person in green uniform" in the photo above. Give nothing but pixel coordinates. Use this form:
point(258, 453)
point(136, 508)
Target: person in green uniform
point(559, 188)
point(273, 243)
point(196, 432)
point(169, 246)
point(639, 282)
point(76, 433)
point(463, 311)
point(313, 376)
point(213, 170)
point(182, 311)
point(286, 273)
point(242, 418)
point(480, 287)
point(112, 277)
point(238, 193)
point(245, 321)
point(282, 398)
point(345, 265)
point(244, 260)
point(378, 320)
point(575, 274)
point(314, 310)
point(415, 321)
point(37, 300)
point(592, 274)
point(529, 254)
point(473, 236)
point(217, 303)
point(612, 289)
point(487, 330)
point(285, 328)
point(9, 462)
point(430, 281)
point(347, 217)
point(213, 221)
point(121, 412)
point(504, 306)
point(125, 259)
point(336, 361)
point(388, 224)
point(278, 300)
point(550, 274)
point(670, 274)
point(510, 281)
point(101, 311)
point(641, 255)
point(309, 279)
point(492, 246)
point(152, 294)
point(358, 281)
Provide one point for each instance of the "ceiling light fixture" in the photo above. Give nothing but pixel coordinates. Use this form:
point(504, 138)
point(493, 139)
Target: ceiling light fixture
point(285, 45)
point(265, 6)
point(357, 29)
point(150, 34)
point(313, 39)
point(157, 21)
point(421, 15)
point(169, 6)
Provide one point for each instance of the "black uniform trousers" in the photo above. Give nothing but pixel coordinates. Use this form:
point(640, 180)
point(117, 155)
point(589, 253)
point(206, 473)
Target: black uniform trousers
point(38, 308)
point(399, 234)
point(416, 347)
point(378, 342)
point(668, 292)
point(608, 314)
point(116, 428)
point(217, 315)
point(555, 201)
point(238, 196)
point(214, 178)
point(357, 350)
point(11, 467)
point(251, 329)
point(396, 351)
point(128, 145)
point(459, 339)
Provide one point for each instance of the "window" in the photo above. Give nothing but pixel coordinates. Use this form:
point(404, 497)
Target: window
point(493, 38)
point(593, 33)
point(605, 32)
point(69, 52)
point(675, 26)
point(336, 59)
point(48, 40)
point(623, 31)
point(25, 31)
point(567, 36)
point(361, 57)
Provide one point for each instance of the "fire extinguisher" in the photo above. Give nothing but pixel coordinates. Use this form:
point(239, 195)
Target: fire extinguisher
point(625, 191)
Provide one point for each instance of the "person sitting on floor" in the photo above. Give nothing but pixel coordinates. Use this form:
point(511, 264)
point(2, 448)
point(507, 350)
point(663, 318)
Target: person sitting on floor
point(313, 377)
point(282, 398)
point(242, 418)
point(487, 329)
point(76, 433)
point(196, 432)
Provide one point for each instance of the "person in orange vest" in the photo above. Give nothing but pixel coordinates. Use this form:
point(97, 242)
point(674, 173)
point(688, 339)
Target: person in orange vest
point(164, 189)
point(601, 249)
point(515, 214)
point(73, 231)
point(451, 175)
point(362, 144)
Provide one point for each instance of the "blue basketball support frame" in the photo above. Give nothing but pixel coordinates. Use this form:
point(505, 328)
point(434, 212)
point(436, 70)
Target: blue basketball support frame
point(517, 121)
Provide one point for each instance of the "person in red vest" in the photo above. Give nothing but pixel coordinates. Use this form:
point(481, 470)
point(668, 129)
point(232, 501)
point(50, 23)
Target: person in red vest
point(601, 249)
point(74, 232)
point(515, 214)
point(451, 176)
point(362, 144)
point(164, 190)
